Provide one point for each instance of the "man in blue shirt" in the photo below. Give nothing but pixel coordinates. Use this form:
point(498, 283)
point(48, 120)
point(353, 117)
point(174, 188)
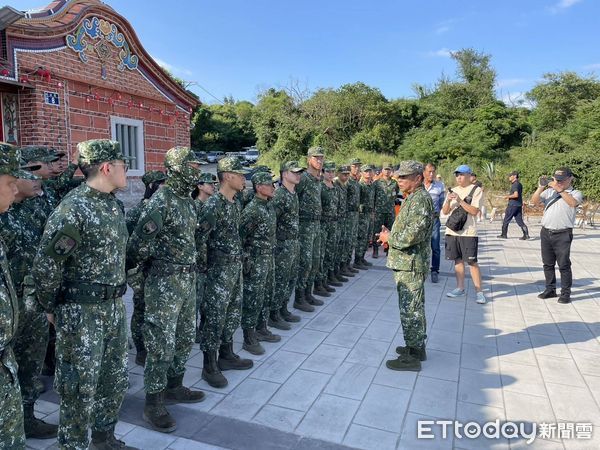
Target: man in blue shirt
point(436, 190)
point(514, 208)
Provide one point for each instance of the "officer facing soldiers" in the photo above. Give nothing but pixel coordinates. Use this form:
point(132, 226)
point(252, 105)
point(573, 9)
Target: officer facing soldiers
point(309, 231)
point(257, 230)
point(12, 434)
point(410, 247)
point(202, 193)
point(164, 241)
point(79, 276)
point(136, 277)
point(285, 204)
point(365, 221)
point(353, 203)
point(343, 230)
point(224, 279)
point(386, 190)
point(22, 228)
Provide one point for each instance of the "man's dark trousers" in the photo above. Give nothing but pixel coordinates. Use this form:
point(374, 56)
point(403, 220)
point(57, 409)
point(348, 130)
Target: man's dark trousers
point(556, 249)
point(516, 212)
point(435, 245)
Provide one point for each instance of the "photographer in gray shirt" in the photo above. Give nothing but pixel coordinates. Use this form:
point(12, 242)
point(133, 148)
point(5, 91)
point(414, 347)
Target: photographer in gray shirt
point(560, 200)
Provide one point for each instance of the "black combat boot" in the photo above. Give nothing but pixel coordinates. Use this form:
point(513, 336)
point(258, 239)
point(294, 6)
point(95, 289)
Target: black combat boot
point(301, 303)
point(276, 321)
point(211, 372)
point(176, 392)
point(288, 316)
point(504, 233)
point(228, 360)
point(404, 362)
point(251, 343)
point(338, 275)
point(319, 290)
point(106, 440)
point(36, 428)
point(140, 357)
point(375, 251)
point(157, 415)
point(417, 352)
point(264, 334)
point(364, 262)
point(352, 269)
point(358, 264)
point(325, 285)
point(332, 280)
point(311, 300)
point(345, 271)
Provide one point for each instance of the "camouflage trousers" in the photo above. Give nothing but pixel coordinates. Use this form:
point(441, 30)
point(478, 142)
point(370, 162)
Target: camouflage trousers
point(12, 434)
point(258, 289)
point(286, 262)
point(200, 287)
point(411, 300)
point(365, 232)
point(222, 302)
point(386, 219)
point(136, 281)
point(91, 368)
point(30, 347)
point(328, 244)
point(168, 327)
point(351, 230)
point(309, 253)
point(341, 239)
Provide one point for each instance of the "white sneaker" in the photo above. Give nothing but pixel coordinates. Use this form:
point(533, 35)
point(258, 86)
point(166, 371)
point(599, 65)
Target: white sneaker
point(455, 293)
point(480, 298)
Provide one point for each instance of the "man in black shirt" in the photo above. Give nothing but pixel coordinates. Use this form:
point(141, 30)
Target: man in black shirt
point(515, 207)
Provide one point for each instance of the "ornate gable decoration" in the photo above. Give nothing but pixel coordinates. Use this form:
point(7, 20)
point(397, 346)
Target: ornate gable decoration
point(100, 36)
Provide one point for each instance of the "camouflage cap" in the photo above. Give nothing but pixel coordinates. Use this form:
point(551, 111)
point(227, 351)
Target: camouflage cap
point(409, 168)
point(291, 166)
point(366, 168)
point(11, 163)
point(206, 177)
point(262, 178)
point(153, 176)
point(315, 151)
point(97, 151)
point(177, 157)
point(329, 166)
point(257, 169)
point(387, 165)
point(231, 164)
point(38, 153)
point(344, 169)
point(355, 161)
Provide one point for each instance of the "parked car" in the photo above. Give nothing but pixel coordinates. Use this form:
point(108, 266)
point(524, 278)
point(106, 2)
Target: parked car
point(201, 155)
point(252, 155)
point(213, 157)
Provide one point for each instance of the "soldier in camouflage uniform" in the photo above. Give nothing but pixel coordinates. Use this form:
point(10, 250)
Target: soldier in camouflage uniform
point(12, 434)
point(309, 232)
point(136, 277)
point(410, 242)
point(164, 242)
point(386, 190)
point(62, 181)
point(22, 227)
point(224, 278)
point(353, 203)
point(329, 214)
point(257, 231)
point(79, 277)
point(285, 204)
point(205, 189)
point(342, 236)
point(245, 196)
point(365, 222)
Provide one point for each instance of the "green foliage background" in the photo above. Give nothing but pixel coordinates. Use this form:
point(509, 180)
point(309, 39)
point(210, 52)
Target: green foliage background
point(459, 120)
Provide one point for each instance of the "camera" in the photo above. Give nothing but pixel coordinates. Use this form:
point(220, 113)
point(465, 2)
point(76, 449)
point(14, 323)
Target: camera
point(544, 180)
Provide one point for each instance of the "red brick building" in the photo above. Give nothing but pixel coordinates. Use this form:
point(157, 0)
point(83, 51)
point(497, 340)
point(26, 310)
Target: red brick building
point(76, 71)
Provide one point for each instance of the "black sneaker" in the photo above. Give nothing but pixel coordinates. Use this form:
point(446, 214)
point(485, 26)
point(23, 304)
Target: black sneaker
point(564, 299)
point(548, 293)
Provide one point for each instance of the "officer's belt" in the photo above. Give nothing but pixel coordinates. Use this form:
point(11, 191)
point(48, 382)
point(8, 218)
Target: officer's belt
point(160, 267)
point(219, 256)
point(287, 235)
point(82, 292)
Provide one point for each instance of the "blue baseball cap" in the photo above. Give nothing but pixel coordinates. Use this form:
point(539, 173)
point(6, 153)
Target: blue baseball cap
point(464, 169)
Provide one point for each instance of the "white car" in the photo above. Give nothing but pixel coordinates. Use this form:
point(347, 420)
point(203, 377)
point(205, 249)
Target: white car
point(252, 155)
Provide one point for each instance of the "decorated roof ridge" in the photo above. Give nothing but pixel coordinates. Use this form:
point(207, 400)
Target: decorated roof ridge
point(42, 28)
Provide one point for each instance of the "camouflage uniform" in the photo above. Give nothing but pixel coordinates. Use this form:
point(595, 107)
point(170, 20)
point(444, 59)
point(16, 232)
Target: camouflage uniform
point(64, 183)
point(285, 204)
point(342, 232)
point(329, 214)
point(12, 434)
point(164, 241)
point(365, 223)
point(409, 255)
point(385, 196)
point(351, 228)
point(79, 275)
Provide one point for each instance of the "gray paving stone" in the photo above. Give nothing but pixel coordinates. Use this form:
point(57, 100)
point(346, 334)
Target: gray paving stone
point(329, 418)
point(144, 438)
point(283, 419)
point(370, 438)
point(409, 439)
point(383, 408)
point(483, 388)
point(326, 358)
point(433, 397)
point(246, 399)
point(345, 335)
point(479, 357)
point(368, 352)
point(325, 321)
point(573, 404)
point(394, 378)
point(381, 331)
point(522, 378)
point(442, 365)
point(279, 366)
point(301, 390)
point(188, 444)
point(351, 380)
point(469, 412)
point(529, 408)
point(560, 371)
point(446, 341)
point(360, 317)
point(305, 341)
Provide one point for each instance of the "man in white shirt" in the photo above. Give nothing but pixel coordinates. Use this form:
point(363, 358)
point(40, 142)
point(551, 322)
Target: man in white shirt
point(561, 201)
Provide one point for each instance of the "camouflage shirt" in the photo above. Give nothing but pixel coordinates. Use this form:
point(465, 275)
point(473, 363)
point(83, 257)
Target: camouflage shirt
point(201, 238)
point(9, 308)
point(385, 194)
point(221, 219)
point(353, 195)
point(285, 204)
point(84, 241)
point(64, 183)
point(342, 190)
point(166, 229)
point(309, 197)
point(133, 215)
point(410, 238)
point(257, 226)
point(329, 202)
point(367, 197)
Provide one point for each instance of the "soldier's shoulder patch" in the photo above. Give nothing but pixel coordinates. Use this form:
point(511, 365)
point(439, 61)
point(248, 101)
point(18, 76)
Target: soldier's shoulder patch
point(150, 225)
point(64, 243)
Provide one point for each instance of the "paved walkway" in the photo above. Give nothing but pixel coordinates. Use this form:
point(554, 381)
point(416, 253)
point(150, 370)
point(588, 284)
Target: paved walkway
point(325, 385)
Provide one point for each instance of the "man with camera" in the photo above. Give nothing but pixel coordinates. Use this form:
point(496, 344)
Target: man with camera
point(514, 208)
point(561, 201)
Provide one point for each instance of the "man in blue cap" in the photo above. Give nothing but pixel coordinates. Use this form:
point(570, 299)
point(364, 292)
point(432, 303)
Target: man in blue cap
point(462, 244)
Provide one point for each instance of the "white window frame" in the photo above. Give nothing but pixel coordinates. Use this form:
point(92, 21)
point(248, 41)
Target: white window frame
point(117, 120)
